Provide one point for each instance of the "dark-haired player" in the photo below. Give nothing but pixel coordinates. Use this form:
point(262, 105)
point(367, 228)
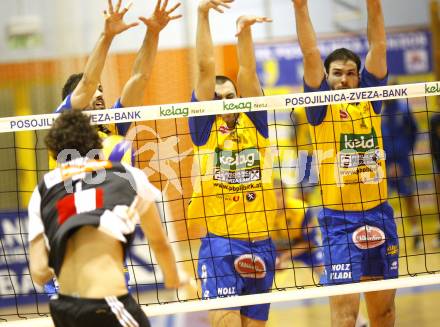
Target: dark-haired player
point(84, 91)
point(358, 229)
point(82, 217)
point(234, 197)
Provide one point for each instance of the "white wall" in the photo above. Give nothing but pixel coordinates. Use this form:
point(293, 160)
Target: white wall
point(72, 26)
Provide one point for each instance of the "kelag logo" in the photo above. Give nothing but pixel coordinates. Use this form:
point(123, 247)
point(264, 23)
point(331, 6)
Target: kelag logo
point(432, 89)
point(359, 142)
point(174, 111)
point(234, 106)
point(235, 160)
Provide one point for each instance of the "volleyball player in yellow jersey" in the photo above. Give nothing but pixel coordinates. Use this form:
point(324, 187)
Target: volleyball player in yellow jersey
point(234, 197)
point(359, 233)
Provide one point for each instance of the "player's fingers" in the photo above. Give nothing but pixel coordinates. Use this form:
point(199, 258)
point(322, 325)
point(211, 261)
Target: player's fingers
point(128, 26)
point(164, 6)
point(143, 20)
point(225, 5)
point(175, 17)
point(157, 8)
point(266, 19)
point(124, 11)
point(110, 6)
point(177, 5)
point(118, 6)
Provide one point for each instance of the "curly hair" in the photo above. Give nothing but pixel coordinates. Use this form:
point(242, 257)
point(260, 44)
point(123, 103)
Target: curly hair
point(71, 84)
point(72, 130)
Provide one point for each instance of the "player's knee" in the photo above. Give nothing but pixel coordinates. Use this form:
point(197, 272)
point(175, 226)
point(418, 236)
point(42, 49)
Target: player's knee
point(385, 314)
point(224, 318)
point(341, 318)
point(344, 313)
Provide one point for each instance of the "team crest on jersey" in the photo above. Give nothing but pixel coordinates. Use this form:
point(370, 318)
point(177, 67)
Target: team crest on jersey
point(368, 237)
point(251, 196)
point(250, 266)
point(343, 114)
point(224, 129)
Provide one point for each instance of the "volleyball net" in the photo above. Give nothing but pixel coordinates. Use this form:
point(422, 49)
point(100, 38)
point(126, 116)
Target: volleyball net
point(163, 149)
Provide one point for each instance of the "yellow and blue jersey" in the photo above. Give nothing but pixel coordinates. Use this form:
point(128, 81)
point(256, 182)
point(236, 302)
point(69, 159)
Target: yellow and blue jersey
point(349, 148)
point(233, 194)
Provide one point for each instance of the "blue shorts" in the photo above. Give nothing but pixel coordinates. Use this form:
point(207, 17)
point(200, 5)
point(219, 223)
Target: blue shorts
point(359, 243)
point(229, 267)
point(403, 184)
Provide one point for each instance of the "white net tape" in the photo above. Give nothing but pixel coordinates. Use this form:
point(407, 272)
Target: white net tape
point(278, 102)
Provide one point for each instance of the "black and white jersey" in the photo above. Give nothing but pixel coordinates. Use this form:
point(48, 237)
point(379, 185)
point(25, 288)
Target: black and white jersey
point(86, 192)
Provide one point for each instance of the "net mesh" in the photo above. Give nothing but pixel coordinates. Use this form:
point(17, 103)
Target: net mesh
point(164, 152)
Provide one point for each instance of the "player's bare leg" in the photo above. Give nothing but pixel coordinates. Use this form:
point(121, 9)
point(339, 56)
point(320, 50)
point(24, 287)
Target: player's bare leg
point(344, 310)
point(381, 308)
point(224, 318)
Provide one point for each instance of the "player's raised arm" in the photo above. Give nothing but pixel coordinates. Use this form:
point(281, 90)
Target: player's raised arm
point(313, 66)
point(376, 61)
point(39, 268)
point(247, 78)
point(144, 62)
point(205, 70)
point(114, 25)
point(152, 227)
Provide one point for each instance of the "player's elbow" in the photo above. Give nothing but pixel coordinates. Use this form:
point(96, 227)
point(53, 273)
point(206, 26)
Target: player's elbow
point(140, 77)
point(40, 274)
point(89, 83)
point(160, 246)
point(206, 66)
point(311, 54)
point(379, 48)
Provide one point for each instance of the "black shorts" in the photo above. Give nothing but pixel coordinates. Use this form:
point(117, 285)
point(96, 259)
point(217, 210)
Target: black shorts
point(111, 311)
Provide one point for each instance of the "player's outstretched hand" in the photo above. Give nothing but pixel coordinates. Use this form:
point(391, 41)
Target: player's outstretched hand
point(244, 22)
point(161, 16)
point(206, 5)
point(114, 19)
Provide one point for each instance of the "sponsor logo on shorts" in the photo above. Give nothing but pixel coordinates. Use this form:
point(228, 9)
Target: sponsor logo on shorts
point(251, 196)
point(340, 271)
point(392, 250)
point(368, 237)
point(250, 266)
point(204, 275)
point(226, 291)
point(394, 265)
